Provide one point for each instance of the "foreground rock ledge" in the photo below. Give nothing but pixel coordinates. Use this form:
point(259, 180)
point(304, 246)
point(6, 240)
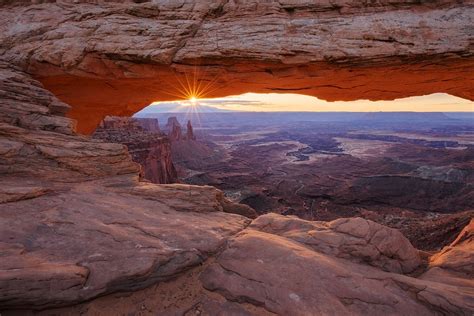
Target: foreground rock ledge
point(98, 237)
point(75, 222)
point(288, 274)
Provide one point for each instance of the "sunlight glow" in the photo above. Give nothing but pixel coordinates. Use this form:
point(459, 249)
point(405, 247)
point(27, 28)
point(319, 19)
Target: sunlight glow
point(286, 102)
point(193, 91)
point(192, 86)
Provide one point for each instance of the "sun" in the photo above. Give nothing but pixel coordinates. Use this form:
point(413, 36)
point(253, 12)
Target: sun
point(192, 86)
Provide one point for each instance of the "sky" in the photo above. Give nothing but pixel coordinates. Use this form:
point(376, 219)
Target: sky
point(438, 102)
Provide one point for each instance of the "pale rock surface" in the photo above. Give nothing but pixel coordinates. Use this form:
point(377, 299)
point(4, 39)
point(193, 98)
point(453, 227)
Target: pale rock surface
point(355, 239)
point(76, 224)
point(273, 266)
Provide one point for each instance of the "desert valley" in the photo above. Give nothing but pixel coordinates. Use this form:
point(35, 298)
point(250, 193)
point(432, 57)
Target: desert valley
point(410, 171)
point(357, 201)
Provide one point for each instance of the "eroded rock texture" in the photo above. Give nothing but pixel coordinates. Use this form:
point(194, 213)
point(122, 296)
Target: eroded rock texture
point(115, 57)
point(147, 146)
point(290, 268)
point(75, 222)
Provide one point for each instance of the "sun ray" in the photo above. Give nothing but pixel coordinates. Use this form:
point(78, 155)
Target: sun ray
point(188, 88)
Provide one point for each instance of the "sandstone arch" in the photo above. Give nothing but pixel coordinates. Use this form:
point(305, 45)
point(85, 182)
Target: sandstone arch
point(60, 192)
point(117, 57)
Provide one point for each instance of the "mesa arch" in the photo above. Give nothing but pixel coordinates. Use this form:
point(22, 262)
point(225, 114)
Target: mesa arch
point(93, 98)
point(61, 191)
point(116, 58)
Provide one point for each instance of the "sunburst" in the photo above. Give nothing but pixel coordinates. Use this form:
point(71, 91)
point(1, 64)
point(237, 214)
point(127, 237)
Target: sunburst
point(191, 87)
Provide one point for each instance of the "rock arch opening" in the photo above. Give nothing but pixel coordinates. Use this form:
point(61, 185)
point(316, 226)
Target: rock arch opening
point(138, 85)
point(77, 224)
point(271, 152)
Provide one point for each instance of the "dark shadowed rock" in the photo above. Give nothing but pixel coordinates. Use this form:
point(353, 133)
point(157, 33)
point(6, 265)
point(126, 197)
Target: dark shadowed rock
point(189, 131)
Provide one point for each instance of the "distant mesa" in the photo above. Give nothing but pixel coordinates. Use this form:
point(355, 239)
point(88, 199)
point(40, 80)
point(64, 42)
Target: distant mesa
point(119, 122)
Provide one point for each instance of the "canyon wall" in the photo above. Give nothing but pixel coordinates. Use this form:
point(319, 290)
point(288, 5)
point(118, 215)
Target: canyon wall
point(77, 226)
point(75, 222)
point(147, 146)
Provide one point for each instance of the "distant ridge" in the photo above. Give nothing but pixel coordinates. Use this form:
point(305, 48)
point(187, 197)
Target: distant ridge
point(178, 108)
point(406, 116)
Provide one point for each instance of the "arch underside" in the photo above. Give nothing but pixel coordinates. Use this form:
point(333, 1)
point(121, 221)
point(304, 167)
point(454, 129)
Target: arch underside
point(117, 57)
point(92, 98)
point(78, 224)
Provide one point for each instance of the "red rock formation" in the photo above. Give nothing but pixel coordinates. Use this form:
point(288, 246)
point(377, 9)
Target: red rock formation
point(80, 225)
point(189, 131)
point(66, 240)
point(148, 147)
point(75, 222)
point(174, 129)
point(344, 50)
point(149, 124)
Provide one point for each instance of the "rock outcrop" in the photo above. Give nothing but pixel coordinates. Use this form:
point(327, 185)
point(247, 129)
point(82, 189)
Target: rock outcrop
point(189, 131)
point(174, 129)
point(75, 222)
point(105, 236)
point(287, 274)
point(146, 145)
point(355, 239)
point(454, 264)
point(274, 267)
point(116, 57)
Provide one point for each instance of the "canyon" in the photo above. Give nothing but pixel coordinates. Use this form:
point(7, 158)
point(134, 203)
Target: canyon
point(410, 171)
point(80, 233)
point(146, 144)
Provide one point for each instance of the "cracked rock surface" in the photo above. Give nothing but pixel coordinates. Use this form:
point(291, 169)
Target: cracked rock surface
point(77, 227)
point(355, 239)
point(76, 223)
point(96, 238)
point(280, 267)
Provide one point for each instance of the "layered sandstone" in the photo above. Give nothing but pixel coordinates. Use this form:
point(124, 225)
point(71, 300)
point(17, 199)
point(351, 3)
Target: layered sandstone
point(289, 274)
point(287, 266)
point(115, 57)
point(174, 129)
point(75, 222)
point(147, 146)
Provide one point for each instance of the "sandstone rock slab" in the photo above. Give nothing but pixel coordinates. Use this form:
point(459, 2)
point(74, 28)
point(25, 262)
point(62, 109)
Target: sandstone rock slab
point(94, 238)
